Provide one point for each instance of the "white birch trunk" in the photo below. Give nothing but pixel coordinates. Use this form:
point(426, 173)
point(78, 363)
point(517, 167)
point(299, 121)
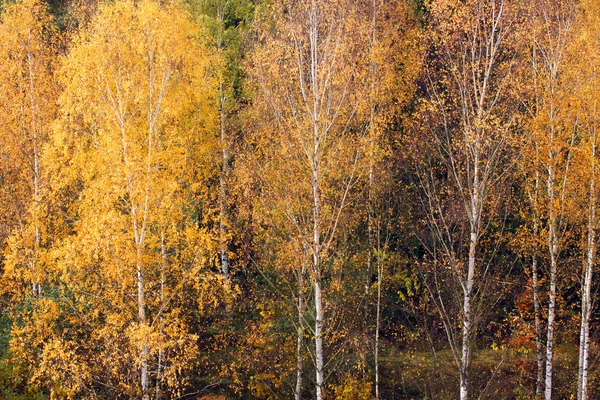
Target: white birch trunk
point(142, 321)
point(467, 319)
point(317, 283)
point(370, 206)
point(586, 302)
point(315, 166)
point(319, 339)
point(300, 337)
point(378, 318)
point(553, 250)
point(467, 284)
point(551, 316)
point(163, 282)
point(539, 347)
point(586, 306)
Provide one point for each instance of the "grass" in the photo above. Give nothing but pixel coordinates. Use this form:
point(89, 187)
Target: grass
point(496, 373)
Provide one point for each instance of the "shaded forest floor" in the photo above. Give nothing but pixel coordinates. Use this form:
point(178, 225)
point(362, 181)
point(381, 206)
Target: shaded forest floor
point(496, 373)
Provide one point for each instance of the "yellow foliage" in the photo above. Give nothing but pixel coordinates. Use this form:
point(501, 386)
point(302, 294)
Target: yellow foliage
point(353, 388)
point(28, 54)
point(129, 149)
point(62, 368)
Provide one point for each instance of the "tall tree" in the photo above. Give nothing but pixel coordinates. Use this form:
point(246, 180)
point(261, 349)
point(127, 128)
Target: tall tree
point(28, 55)
point(309, 73)
point(226, 22)
point(582, 65)
point(469, 118)
point(551, 144)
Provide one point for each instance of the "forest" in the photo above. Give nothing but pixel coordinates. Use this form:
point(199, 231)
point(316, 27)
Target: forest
point(307, 199)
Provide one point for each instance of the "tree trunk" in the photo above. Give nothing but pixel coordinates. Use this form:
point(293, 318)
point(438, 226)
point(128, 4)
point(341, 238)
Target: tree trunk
point(378, 316)
point(586, 302)
point(225, 155)
point(467, 319)
point(300, 338)
point(319, 339)
point(551, 313)
point(142, 321)
point(223, 190)
point(37, 286)
point(467, 285)
point(315, 166)
point(539, 347)
point(159, 368)
point(586, 308)
point(370, 205)
point(553, 249)
point(317, 281)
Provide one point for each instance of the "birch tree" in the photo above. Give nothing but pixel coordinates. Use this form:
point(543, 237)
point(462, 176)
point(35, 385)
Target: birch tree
point(28, 55)
point(533, 243)
point(582, 61)
point(308, 73)
point(554, 142)
point(226, 22)
point(469, 124)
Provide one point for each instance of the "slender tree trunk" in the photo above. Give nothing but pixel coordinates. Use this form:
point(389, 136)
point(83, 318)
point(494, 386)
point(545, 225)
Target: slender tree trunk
point(159, 368)
point(539, 347)
point(551, 315)
point(315, 166)
point(377, 327)
point(300, 337)
point(467, 286)
point(586, 303)
point(142, 321)
point(317, 268)
point(319, 338)
point(585, 315)
point(553, 250)
point(370, 207)
point(37, 287)
point(378, 314)
point(224, 154)
point(467, 320)
point(317, 282)
point(223, 189)
point(141, 303)
point(369, 233)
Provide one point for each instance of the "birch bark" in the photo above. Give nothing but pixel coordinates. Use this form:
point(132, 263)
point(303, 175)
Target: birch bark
point(586, 301)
